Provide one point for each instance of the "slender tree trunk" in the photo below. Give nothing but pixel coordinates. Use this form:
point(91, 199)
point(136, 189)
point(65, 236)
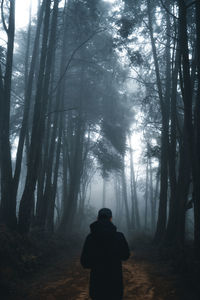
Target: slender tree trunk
point(45, 148)
point(146, 195)
point(152, 200)
point(26, 74)
point(117, 197)
point(51, 206)
point(1, 109)
point(133, 221)
point(75, 177)
point(37, 130)
point(196, 193)
point(134, 197)
point(42, 211)
point(156, 194)
point(65, 179)
point(125, 199)
point(27, 102)
point(187, 142)
point(173, 208)
point(8, 204)
point(162, 213)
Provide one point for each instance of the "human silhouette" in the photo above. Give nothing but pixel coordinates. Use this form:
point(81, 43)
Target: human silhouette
point(103, 251)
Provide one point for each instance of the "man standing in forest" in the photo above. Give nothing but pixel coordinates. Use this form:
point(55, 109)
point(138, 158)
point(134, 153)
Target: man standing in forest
point(103, 251)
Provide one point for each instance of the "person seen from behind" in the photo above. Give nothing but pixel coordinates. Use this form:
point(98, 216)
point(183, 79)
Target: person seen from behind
point(103, 252)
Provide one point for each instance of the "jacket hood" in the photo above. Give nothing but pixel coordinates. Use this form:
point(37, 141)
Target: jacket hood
point(103, 227)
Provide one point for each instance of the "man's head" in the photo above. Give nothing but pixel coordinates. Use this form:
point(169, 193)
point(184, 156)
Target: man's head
point(105, 214)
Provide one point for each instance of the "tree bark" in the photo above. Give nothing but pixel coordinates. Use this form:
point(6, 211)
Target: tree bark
point(196, 188)
point(125, 199)
point(75, 177)
point(152, 199)
point(173, 208)
point(8, 203)
point(146, 194)
point(27, 102)
point(135, 219)
point(37, 130)
point(53, 188)
point(162, 213)
point(186, 150)
point(43, 208)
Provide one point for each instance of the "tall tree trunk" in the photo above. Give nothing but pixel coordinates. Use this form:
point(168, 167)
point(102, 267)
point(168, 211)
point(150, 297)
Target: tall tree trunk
point(156, 193)
point(134, 197)
point(162, 213)
point(173, 207)
point(8, 204)
point(117, 197)
point(125, 199)
point(75, 177)
point(65, 179)
point(187, 142)
point(37, 129)
point(152, 200)
point(45, 148)
point(196, 188)
point(27, 101)
point(42, 210)
point(146, 195)
point(53, 189)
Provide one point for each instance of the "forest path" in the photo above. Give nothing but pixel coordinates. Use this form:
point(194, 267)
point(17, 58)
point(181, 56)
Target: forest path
point(143, 280)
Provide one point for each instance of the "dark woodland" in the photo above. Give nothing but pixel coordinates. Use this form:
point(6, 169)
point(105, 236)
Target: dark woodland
point(99, 107)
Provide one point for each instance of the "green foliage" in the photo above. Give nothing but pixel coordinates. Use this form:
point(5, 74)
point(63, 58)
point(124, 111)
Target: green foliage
point(126, 26)
point(109, 160)
point(136, 58)
point(2, 54)
point(153, 151)
point(116, 135)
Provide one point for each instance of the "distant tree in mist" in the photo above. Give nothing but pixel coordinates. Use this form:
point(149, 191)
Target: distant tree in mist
point(66, 111)
point(67, 114)
point(166, 64)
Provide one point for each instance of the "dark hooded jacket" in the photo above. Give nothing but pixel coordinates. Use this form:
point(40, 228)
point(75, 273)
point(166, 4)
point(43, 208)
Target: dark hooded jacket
point(103, 251)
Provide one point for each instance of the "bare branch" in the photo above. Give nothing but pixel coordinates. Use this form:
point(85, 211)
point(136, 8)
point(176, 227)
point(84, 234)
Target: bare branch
point(191, 3)
point(3, 19)
point(167, 10)
point(72, 56)
point(61, 110)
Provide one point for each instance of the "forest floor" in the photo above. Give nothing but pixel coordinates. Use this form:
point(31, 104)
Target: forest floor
point(146, 277)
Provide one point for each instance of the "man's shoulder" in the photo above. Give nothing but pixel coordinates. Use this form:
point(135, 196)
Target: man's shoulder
point(88, 237)
point(120, 235)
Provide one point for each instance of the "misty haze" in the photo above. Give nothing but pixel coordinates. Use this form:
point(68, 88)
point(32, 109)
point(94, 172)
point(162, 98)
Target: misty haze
point(99, 108)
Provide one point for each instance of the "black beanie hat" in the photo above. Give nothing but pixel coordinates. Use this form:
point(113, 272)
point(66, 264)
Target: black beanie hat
point(104, 213)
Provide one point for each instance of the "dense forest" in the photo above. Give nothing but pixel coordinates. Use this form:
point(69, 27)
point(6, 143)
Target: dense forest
point(100, 107)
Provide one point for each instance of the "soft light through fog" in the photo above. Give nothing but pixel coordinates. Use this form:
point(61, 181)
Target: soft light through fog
point(22, 11)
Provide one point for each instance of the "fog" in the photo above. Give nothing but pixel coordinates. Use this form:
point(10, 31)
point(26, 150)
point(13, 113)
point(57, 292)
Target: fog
point(99, 107)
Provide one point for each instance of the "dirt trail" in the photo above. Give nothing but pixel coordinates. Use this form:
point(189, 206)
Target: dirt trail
point(143, 280)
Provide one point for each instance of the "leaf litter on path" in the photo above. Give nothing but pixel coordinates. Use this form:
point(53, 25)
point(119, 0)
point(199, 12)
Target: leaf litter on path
point(143, 280)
